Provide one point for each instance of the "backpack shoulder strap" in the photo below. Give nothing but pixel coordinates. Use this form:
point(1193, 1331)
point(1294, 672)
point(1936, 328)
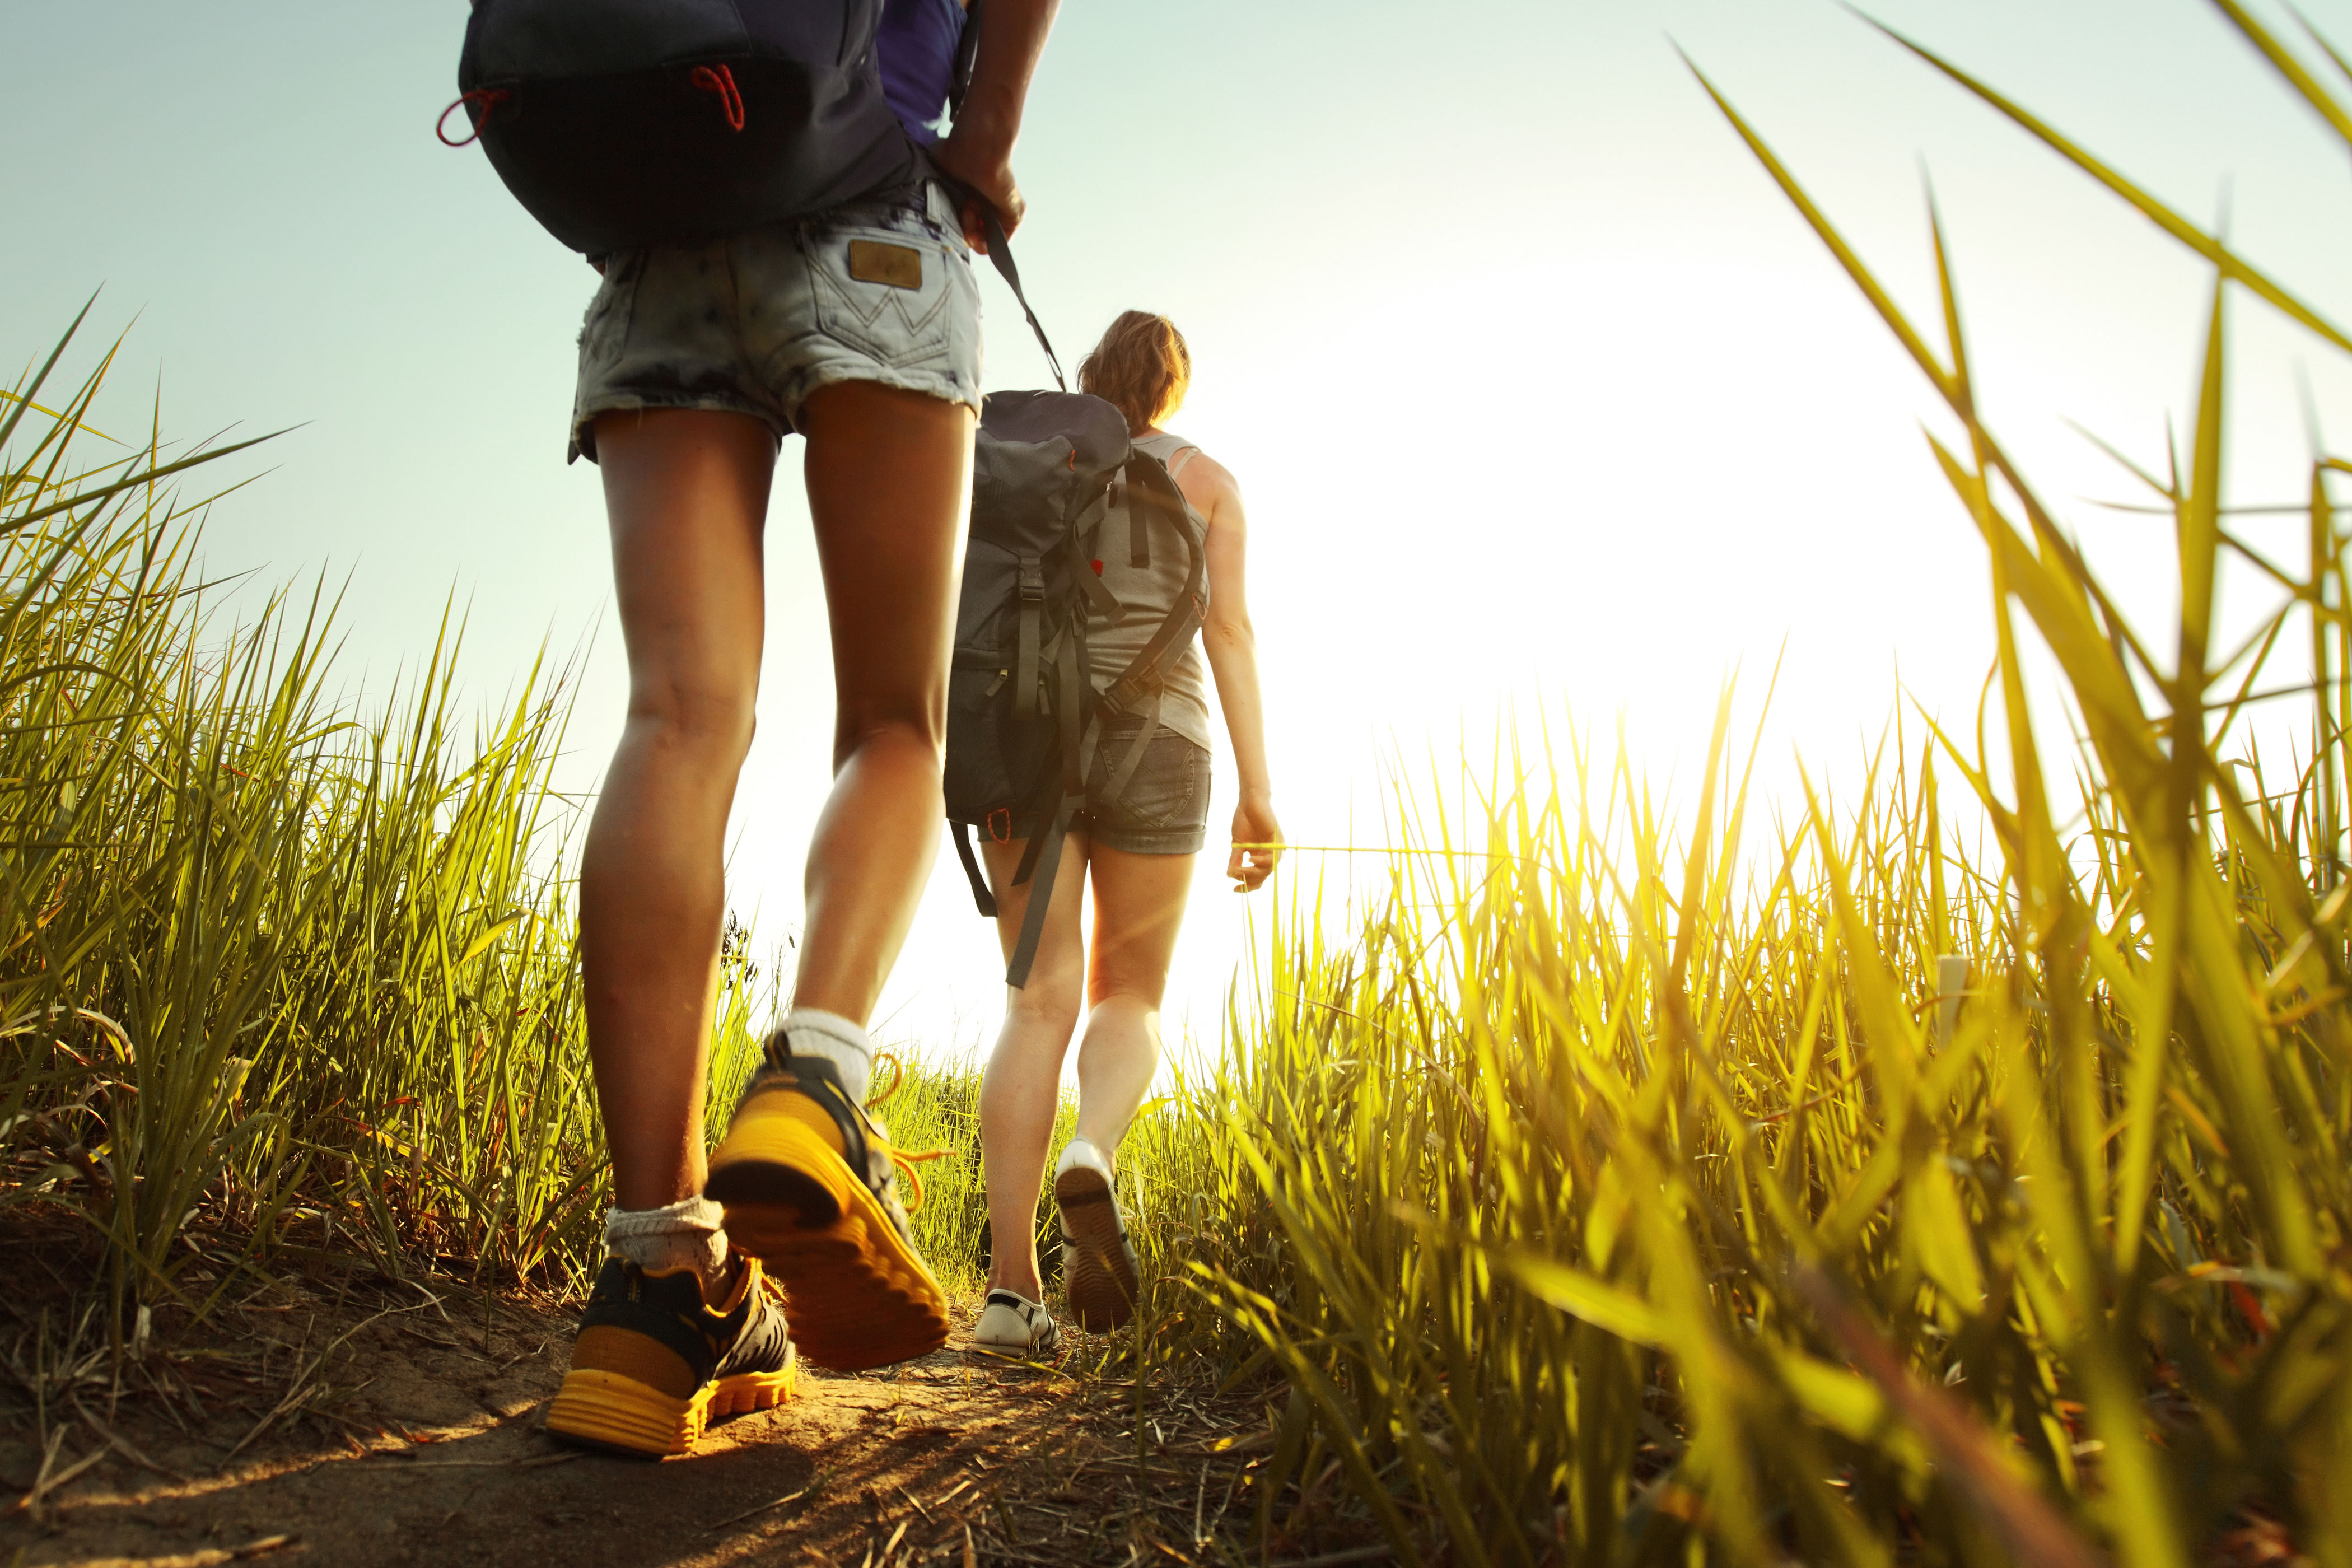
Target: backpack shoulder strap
point(967, 55)
point(1000, 253)
point(1142, 677)
point(1042, 859)
point(962, 833)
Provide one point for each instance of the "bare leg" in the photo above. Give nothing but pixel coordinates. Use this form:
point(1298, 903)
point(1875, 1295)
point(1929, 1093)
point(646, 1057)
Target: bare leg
point(687, 494)
point(889, 471)
point(1021, 1088)
point(1138, 911)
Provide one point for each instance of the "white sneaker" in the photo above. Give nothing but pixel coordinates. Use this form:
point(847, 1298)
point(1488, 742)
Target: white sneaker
point(1099, 1268)
point(1011, 1324)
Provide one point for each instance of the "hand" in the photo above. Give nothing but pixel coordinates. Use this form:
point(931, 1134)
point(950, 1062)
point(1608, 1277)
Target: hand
point(1254, 823)
point(982, 164)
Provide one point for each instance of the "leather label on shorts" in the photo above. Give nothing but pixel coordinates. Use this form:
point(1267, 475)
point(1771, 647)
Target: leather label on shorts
point(872, 261)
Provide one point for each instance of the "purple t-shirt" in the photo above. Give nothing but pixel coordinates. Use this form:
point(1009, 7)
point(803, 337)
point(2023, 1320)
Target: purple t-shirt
point(916, 42)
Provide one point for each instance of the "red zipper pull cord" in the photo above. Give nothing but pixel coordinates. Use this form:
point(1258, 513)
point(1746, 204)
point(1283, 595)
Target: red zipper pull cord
point(483, 102)
point(721, 80)
point(489, 98)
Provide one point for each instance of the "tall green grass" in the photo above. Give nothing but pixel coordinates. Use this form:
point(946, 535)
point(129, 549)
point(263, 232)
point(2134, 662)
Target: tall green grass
point(1601, 1202)
point(288, 978)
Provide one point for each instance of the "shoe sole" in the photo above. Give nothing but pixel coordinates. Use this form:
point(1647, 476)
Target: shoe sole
point(1096, 1274)
point(617, 1415)
point(855, 1295)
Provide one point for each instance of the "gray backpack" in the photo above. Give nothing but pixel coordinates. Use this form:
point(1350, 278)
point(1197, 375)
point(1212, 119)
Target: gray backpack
point(1056, 482)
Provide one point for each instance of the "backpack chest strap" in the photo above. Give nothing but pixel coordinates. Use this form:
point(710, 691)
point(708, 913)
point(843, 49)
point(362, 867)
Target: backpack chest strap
point(1026, 637)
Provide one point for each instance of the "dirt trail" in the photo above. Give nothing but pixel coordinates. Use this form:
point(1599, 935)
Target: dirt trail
point(417, 1440)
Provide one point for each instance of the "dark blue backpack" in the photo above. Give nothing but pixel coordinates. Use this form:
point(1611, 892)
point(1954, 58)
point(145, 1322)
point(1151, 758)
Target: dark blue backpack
point(621, 124)
point(1050, 470)
point(624, 123)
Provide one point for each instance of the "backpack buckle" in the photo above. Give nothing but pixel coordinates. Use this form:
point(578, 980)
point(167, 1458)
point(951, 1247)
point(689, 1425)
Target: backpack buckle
point(1032, 581)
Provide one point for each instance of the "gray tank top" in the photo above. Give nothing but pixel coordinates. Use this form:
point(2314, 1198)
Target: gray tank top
point(1148, 594)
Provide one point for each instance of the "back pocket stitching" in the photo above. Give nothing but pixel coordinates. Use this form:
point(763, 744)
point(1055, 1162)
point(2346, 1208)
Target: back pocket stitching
point(1182, 804)
point(840, 316)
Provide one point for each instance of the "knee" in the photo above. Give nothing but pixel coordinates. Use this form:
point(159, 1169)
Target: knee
point(1111, 984)
point(709, 718)
point(917, 732)
point(1048, 1005)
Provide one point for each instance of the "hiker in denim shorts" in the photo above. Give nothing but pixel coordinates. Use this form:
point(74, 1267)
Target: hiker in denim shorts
point(859, 328)
point(1136, 846)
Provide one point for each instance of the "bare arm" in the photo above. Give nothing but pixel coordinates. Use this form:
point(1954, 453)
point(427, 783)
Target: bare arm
point(979, 150)
point(1230, 643)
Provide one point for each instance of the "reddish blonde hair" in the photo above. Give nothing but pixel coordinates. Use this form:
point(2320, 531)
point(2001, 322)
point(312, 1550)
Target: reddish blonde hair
point(1142, 368)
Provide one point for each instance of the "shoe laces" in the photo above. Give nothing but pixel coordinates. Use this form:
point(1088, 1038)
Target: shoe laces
point(905, 1161)
point(771, 1288)
point(897, 1077)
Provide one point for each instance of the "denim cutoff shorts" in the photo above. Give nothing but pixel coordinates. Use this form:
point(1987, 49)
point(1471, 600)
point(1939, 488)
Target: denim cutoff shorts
point(1165, 809)
point(879, 289)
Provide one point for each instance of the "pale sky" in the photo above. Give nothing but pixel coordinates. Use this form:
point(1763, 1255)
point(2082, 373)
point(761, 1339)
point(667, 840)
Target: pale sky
point(1538, 392)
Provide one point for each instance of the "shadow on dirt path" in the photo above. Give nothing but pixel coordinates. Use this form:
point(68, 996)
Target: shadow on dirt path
point(417, 1440)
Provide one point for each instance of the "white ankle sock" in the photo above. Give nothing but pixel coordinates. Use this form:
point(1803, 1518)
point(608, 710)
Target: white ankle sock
point(686, 1234)
point(813, 1032)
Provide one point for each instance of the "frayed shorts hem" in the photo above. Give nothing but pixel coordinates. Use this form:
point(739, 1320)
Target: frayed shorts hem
point(1132, 841)
point(583, 435)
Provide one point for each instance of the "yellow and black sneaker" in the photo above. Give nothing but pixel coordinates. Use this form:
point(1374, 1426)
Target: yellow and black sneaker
point(654, 1363)
point(810, 1183)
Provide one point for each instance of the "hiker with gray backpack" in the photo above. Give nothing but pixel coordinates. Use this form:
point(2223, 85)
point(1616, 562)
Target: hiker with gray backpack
point(783, 239)
point(1105, 556)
